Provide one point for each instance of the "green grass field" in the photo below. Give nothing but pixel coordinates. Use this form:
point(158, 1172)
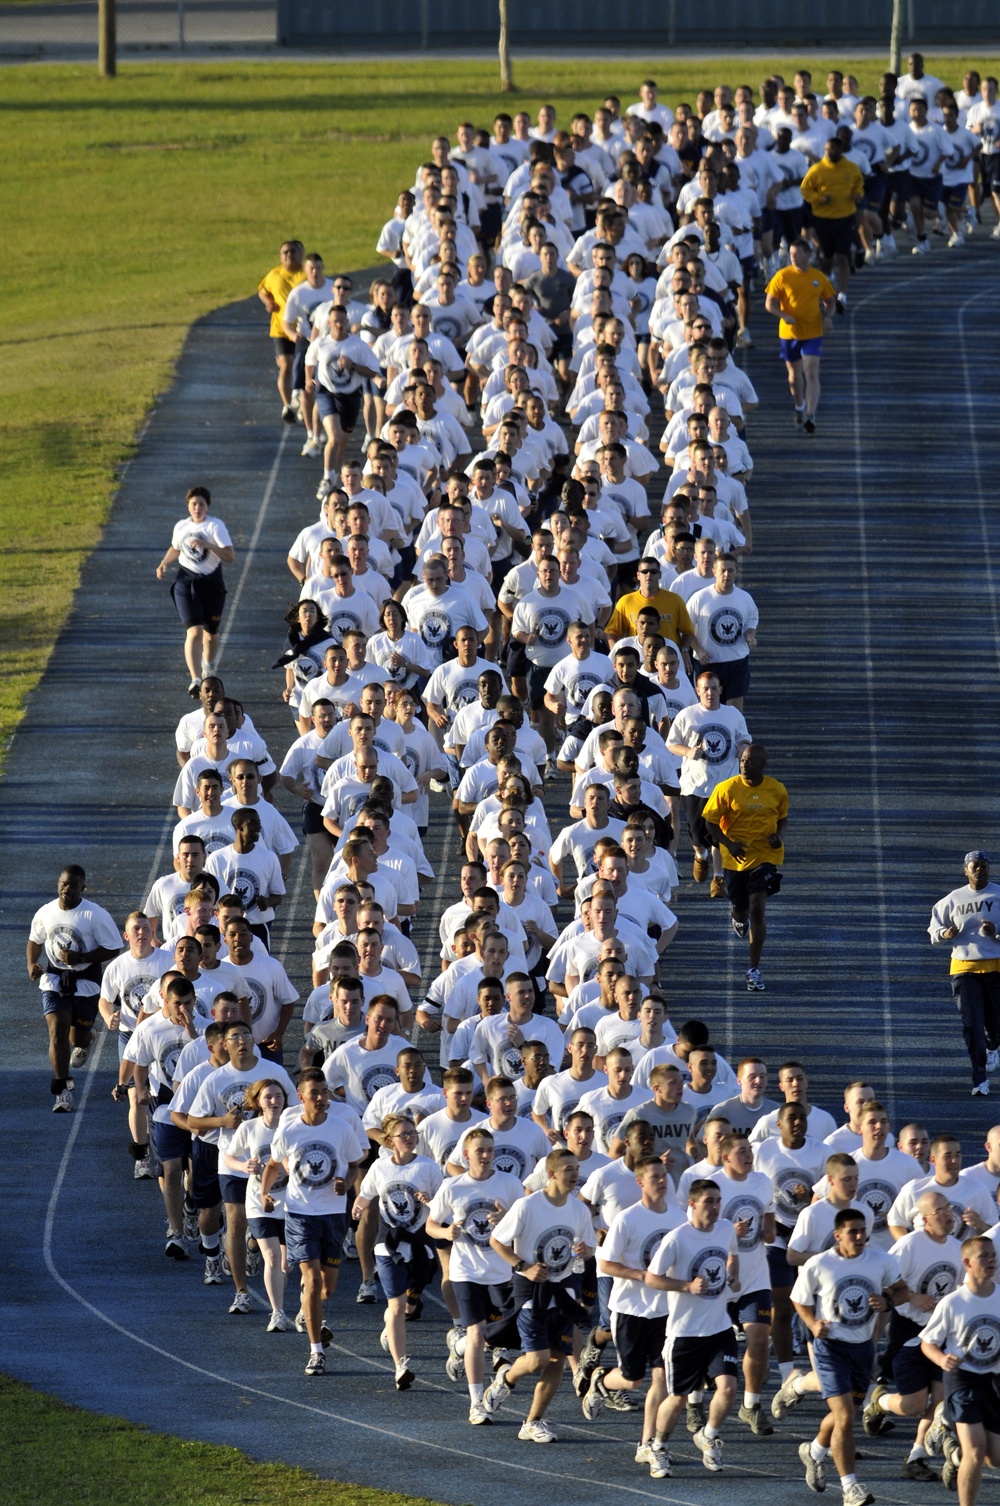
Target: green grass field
point(55, 1454)
point(146, 201)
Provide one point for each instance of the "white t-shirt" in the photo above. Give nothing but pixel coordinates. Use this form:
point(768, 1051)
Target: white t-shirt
point(540, 1231)
point(814, 1226)
point(903, 1212)
point(558, 1095)
point(720, 733)
point(685, 1254)
point(968, 1326)
point(126, 982)
point(78, 930)
point(609, 1112)
point(474, 1202)
point(633, 1238)
point(316, 1155)
point(792, 1174)
point(253, 1138)
point(396, 1187)
point(225, 1089)
point(752, 1199)
point(438, 1134)
point(929, 1266)
point(360, 1072)
point(197, 558)
point(491, 1044)
point(838, 1290)
point(721, 622)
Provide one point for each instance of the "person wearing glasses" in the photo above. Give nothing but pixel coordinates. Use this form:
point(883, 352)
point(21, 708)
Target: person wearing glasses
point(244, 778)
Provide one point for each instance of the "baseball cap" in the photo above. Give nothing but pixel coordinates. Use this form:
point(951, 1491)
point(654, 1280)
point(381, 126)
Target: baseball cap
point(976, 856)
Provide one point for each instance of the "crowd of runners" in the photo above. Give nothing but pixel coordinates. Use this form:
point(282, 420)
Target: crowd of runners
point(519, 613)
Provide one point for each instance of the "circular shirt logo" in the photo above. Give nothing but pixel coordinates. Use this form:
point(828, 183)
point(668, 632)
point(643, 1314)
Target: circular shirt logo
point(341, 621)
point(508, 1060)
point(379, 1075)
point(919, 151)
point(555, 1249)
point(551, 624)
point(258, 997)
point(399, 1205)
point(166, 1060)
point(214, 844)
point(476, 1222)
point(785, 1196)
point(710, 1264)
point(939, 1279)
point(879, 1197)
point(716, 743)
point(314, 1164)
point(867, 148)
point(233, 1095)
point(725, 626)
point(650, 1246)
point(136, 990)
point(749, 1210)
point(435, 627)
point(980, 1341)
point(579, 686)
point(305, 669)
point(564, 1110)
point(64, 938)
point(850, 1301)
point(511, 1158)
point(448, 325)
point(244, 883)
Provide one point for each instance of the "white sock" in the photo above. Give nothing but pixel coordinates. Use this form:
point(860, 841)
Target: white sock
point(315, 1348)
point(797, 1386)
point(882, 1402)
point(817, 1452)
point(917, 1452)
point(751, 1398)
point(785, 1369)
point(476, 1389)
point(846, 1481)
point(711, 1433)
point(694, 1397)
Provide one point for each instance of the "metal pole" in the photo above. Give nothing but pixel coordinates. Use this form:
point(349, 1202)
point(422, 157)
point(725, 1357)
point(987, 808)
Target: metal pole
point(107, 50)
point(180, 24)
point(894, 45)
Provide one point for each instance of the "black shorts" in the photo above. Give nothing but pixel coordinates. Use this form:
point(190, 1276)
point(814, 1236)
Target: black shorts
point(955, 195)
point(733, 676)
point(912, 1371)
point(537, 676)
point(344, 406)
point(299, 366)
point(312, 819)
point(788, 223)
point(989, 168)
point(199, 599)
point(740, 886)
point(972, 1398)
point(562, 344)
point(782, 1274)
point(283, 347)
point(927, 190)
point(898, 184)
point(204, 1184)
point(835, 237)
point(692, 1363)
point(490, 223)
point(638, 1343)
point(693, 807)
point(517, 660)
point(482, 1304)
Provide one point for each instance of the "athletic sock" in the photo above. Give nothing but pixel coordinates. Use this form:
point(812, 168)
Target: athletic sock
point(476, 1389)
point(817, 1452)
point(315, 1348)
point(882, 1402)
point(785, 1369)
point(695, 1397)
point(210, 1244)
point(798, 1387)
point(711, 1433)
point(917, 1452)
point(800, 407)
point(846, 1481)
point(751, 1398)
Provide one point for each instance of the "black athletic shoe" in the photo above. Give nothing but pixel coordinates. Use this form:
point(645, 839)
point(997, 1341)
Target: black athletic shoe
point(810, 426)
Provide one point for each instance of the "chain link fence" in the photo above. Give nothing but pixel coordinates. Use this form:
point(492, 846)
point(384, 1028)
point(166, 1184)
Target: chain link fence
point(69, 30)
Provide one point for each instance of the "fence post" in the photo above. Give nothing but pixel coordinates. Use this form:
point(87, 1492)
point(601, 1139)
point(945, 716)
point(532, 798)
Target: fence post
point(107, 52)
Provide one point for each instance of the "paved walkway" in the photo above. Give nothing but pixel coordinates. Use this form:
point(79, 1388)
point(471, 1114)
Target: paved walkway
point(875, 577)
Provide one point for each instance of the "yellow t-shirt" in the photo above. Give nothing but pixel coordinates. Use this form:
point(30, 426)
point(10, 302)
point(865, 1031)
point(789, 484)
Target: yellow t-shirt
point(799, 294)
point(279, 284)
point(673, 611)
point(841, 180)
point(748, 813)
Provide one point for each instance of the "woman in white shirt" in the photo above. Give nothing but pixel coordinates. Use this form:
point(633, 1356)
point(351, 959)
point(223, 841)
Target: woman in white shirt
point(199, 546)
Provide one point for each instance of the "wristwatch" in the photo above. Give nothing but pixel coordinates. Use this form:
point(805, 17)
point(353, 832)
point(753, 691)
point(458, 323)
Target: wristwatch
point(519, 1267)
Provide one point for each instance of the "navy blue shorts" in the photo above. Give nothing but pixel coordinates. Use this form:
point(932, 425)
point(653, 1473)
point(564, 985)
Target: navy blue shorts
point(989, 170)
point(344, 406)
point(898, 184)
point(912, 1371)
point(955, 195)
point(694, 1363)
point(874, 192)
point(751, 1307)
point(537, 676)
point(638, 1343)
point(205, 1189)
point(794, 350)
point(267, 1228)
point(299, 366)
point(549, 1332)
point(82, 1007)
point(927, 190)
point(233, 1188)
point(482, 1304)
point(972, 1398)
point(199, 599)
point(315, 1236)
point(394, 1276)
point(843, 1369)
point(312, 819)
point(782, 1274)
point(604, 1285)
point(172, 1144)
point(733, 676)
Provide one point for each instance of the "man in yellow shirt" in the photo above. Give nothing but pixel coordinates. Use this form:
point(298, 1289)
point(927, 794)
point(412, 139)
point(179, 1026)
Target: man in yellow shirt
point(834, 187)
point(802, 298)
point(675, 623)
point(273, 291)
point(746, 818)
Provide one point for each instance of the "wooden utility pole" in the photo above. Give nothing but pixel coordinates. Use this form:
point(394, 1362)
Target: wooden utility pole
point(897, 26)
point(107, 48)
point(506, 78)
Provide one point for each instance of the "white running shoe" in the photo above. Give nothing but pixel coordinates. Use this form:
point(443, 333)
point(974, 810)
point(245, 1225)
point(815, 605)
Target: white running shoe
point(955, 240)
point(278, 1323)
point(536, 1432)
point(922, 248)
point(78, 1057)
point(478, 1415)
point(241, 1304)
point(404, 1375)
point(213, 1270)
point(857, 1495)
point(142, 1170)
point(383, 1340)
point(992, 1060)
point(710, 1450)
point(63, 1103)
point(659, 1461)
point(497, 1391)
point(995, 233)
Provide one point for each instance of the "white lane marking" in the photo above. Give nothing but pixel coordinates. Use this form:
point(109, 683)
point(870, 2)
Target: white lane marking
point(252, 546)
point(974, 451)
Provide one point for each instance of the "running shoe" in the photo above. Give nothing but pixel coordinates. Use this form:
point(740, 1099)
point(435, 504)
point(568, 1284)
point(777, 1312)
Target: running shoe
point(191, 1229)
point(785, 1398)
point(659, 1461)
point(324, 489)
point(253, 1258)
point(934, 1439)
point(288, 414)
point(241, 1304)
point(699, 869)
point(300, 1322)
point(213, 1270)
point(857, 1495)
point(744, 340)
point(595, 1396)
point(917, 1469)
point(78, 1057)
point(810, 424)
point(350, 1246)
point(717, 888)
point(992, 1060)
point(497, 1391)
point(756, 1420)
point(278, 1323)
point(316, 1364)
point(815, 1469)
point(537, 1431)
point(755, 983)
point(695, 1416)
point(174, 1247)
point(922, 248)
point(383, 1340)
point(873, 1417)
point(63, 1103)
point(478, 1415)
point(142, 1170)
point(741, 927)
point(404, 1375)
point(981, 1090)
point(710, 1450)
point(367, 1293)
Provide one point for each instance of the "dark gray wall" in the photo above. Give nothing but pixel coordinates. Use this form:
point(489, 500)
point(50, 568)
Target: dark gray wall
point(399, 25)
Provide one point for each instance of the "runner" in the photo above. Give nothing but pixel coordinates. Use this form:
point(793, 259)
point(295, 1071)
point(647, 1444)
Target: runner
point(802, 299)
